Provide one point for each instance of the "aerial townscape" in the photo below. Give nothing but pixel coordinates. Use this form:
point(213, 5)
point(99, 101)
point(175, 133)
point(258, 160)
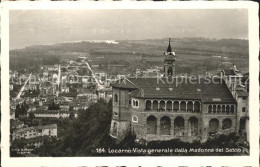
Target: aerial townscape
point(86, 98)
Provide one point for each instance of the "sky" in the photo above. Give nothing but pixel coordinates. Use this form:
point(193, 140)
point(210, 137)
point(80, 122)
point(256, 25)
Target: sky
point(36, 27)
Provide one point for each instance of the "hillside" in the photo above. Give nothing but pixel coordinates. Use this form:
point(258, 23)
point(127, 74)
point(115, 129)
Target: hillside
point(190, 52)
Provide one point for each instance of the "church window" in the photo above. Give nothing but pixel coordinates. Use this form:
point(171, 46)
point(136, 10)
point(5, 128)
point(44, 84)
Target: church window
point(210, 109)
point(213, 126)
point(134, 119)
point(232, 109)
point(114, 129)
point(135, 103)
point(115, 114)
point(116, 98)
point(227, 124)
point(170, 71)
point(243, 109)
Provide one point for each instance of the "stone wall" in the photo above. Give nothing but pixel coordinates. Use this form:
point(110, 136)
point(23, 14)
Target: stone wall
point(119, 129)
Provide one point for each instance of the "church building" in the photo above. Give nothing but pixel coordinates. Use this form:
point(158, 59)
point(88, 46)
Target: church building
point(175, 107)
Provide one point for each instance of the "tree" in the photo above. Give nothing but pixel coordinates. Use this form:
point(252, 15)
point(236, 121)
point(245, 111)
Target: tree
point(31, 117)
point(71, 108)
point(88, 132)
point(17, 111)
point(53, 106)
point(21, 109)
point(72, 115)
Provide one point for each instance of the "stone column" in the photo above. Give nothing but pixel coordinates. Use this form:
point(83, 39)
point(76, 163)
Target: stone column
point(193, 106)
point(172, 104)
point(179, 105)
point(151, 104)
point(220, 125)
point(200, 127)
point(165, 105)
point(204, 129)
point(172, 127)
point(186, 127)
point(186, 105)
point(158, 127)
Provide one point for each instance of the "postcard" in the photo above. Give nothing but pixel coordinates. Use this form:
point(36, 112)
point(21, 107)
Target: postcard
point(129, 83)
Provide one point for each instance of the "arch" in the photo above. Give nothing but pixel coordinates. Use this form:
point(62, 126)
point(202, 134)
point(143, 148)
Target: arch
point(210, 109)
point(137, 103)
point(232, 109)
point(193, 126)
point(197, 106)
point(226, 124)
point(115, 98)
point(176, 106)
point(223, 108)
point(227, 109)
point(169, 71)
point(213, 125)
point(219, 108)
point(242, 123)
point(214, 108)
point(151, 125)
point(162, 105)
point(148, 105)
point(183, 106)
point(169, 105)
point(190, 106)
point(155, 105)
point(165, 125)
point(135, 119)
point(179, 126)
point(114, 129)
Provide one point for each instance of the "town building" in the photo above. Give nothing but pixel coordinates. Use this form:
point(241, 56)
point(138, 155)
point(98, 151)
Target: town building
point(35, 131)
point(16, 124)
point(177, 107)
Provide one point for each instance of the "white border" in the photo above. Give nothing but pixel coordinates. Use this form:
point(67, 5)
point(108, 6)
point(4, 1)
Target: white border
point(252, 160)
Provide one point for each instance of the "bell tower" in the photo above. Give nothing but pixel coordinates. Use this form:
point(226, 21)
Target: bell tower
point(169, 61)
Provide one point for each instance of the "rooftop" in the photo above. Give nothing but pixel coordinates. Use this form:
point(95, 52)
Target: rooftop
point(174, 89)
point(51, 126)
point(242, 93)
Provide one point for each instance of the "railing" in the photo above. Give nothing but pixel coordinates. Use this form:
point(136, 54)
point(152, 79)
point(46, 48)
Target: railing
point(172, 110)
point(221, 112)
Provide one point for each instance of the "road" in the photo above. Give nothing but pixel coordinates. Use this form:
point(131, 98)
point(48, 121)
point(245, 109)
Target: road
point(22, 89)
point(99, 86)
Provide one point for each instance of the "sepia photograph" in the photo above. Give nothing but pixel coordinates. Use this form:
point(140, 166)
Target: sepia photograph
point(130, 83)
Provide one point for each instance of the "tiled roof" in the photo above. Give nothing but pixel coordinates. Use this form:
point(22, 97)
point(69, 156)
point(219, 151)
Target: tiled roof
point(156, 88)
point(124, 83)
point(242, 93)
